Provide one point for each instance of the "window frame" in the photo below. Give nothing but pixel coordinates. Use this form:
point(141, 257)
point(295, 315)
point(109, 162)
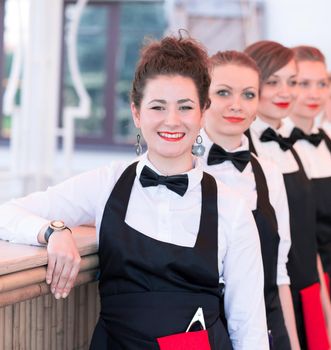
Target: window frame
point(109, 93)
point(2, 56)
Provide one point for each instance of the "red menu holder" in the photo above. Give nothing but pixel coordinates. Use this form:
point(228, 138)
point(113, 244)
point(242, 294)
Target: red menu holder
point(189, 340)
point(315, 327)
point(185, 341)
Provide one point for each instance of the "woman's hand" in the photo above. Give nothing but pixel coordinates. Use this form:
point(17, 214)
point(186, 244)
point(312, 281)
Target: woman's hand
point(63, 263)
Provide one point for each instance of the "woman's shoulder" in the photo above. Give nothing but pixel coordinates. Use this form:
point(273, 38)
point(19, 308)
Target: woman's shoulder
point(95, 179)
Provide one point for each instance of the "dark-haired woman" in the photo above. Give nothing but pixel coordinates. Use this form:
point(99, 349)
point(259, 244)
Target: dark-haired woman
point(168, 232)
point(234, 94)
point(278, 94)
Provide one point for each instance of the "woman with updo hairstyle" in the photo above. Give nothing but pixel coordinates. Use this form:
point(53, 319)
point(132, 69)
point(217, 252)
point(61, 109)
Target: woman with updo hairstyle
point(313, 144)
point(234, 95)
point(169, 234)
point(277, 97)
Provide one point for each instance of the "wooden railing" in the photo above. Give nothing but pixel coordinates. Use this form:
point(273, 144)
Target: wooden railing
point(30, 317)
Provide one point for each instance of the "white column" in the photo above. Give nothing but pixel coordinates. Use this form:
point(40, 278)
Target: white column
point(40, 94)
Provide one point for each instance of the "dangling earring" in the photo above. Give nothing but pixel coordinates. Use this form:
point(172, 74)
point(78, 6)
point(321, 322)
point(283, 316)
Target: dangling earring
point(138, 147)
point(198, 149)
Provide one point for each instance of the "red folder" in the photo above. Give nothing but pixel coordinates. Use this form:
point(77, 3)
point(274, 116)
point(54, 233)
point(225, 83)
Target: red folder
point(185, 341)
point(315, 327)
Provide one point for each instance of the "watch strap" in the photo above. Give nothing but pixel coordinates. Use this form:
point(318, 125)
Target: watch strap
point(50, 230)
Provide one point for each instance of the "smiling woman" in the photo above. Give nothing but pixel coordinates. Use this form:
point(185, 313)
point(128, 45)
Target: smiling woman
point(314, 147)
point(168, 233)
point(269, 137)
point(313, 86)
point(170, 118)
point(234, 94)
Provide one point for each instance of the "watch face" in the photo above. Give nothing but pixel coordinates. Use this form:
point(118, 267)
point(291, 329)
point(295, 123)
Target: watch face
point(57, 224)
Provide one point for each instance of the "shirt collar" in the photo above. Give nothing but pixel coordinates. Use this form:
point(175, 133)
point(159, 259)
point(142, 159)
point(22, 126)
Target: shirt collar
point(207, 142)
point(258, 126)
point(288, 126)
point(194, 175)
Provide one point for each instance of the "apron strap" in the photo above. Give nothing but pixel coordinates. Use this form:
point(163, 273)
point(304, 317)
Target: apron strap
point(298, 160)
point(122, 191)
point(263, 199)
point(250, 142)
point(209, 212)
point(326, 138)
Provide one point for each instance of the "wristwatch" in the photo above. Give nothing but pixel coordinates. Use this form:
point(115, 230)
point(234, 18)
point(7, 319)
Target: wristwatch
point(55, 226)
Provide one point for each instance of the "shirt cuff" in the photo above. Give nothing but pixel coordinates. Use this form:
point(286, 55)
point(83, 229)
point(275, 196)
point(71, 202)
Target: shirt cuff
point(28, 229)
point(282, 276)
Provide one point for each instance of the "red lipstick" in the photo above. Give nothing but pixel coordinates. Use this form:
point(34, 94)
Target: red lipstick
point(313, 105)
point(282, 105)
point(234, 119)
point(171, 136)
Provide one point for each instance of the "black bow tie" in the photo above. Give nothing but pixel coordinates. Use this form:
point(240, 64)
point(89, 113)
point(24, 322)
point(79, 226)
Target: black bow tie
point(270, 135)
point(218, 155)
point(176, 183)
point(298, 134)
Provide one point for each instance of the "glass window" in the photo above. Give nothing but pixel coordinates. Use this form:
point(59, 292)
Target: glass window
point(6, 54)
point(109, 39)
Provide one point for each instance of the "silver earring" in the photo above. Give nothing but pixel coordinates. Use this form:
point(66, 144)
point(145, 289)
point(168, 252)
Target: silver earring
point(138, 147)
point(198, 149)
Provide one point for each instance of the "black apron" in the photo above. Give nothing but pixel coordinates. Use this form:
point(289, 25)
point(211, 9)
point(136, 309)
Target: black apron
point(150, 289)
point(302, 264)
point(322, 188)
point(267, 226)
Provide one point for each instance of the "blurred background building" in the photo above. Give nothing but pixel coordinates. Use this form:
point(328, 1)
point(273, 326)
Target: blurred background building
point(66, 69)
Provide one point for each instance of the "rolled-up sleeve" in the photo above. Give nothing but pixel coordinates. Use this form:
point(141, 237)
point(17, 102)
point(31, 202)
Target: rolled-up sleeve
point(74, 201)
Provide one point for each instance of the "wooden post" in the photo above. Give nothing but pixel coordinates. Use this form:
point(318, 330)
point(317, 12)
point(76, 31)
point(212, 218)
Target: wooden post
point(70, 315)
point(28, 325)
point(91, 310)
point(16, 326)
point(53, 326)
point(34, 323)
point(60, 325)
point(40, 323)
point(21, 324)
point(9, 327)
point(2, 328)
point(81, 322)
point(47, 321)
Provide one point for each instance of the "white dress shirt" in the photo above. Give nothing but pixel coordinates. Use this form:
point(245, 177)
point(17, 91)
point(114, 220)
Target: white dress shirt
point(270, 150)
point(326, 126)
point(244, 183)
point(321, 122)
point(163, 215)
point(316, 160)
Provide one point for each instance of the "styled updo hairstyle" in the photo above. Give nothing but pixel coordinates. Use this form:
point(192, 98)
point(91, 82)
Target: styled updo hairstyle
point(172, 56)
point(222, 58)
point(308, 53)
point(269, 57)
